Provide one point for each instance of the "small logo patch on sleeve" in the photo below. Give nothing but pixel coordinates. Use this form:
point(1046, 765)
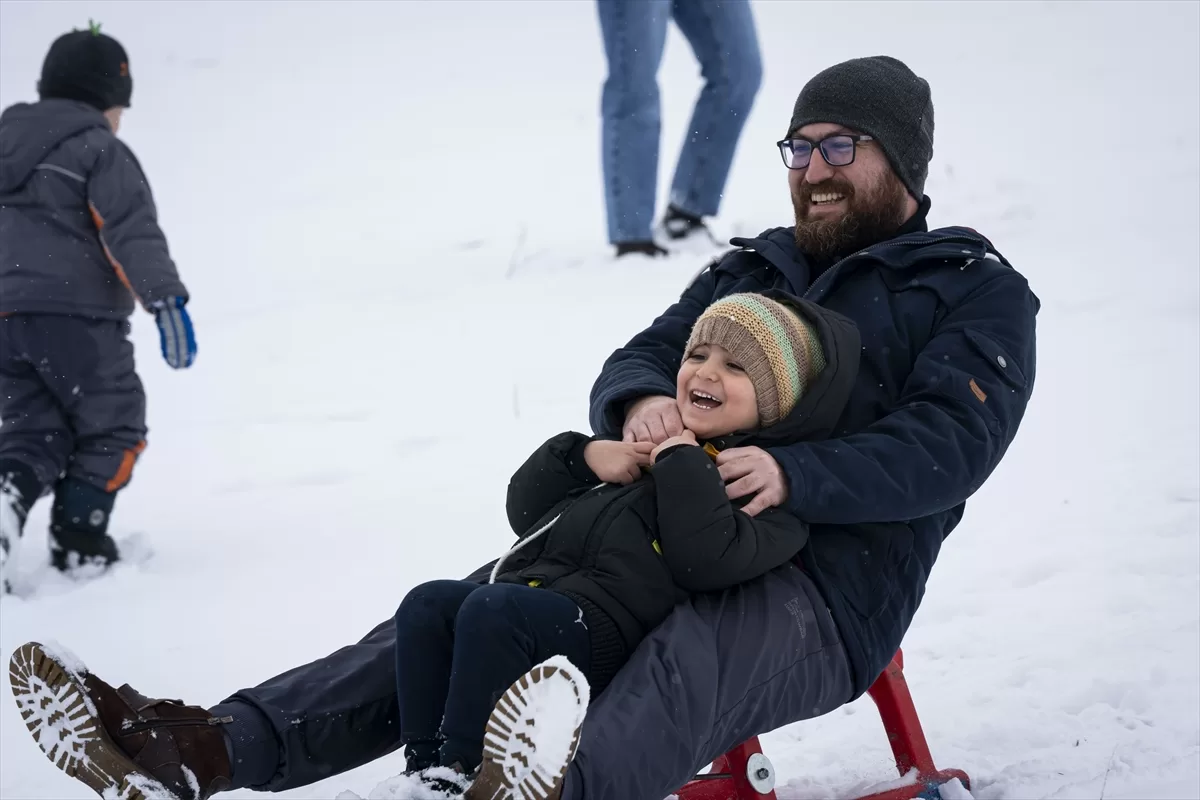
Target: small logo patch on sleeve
point(979, 393)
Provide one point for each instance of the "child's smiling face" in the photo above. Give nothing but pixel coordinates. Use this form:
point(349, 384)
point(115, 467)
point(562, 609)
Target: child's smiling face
point(714, 393)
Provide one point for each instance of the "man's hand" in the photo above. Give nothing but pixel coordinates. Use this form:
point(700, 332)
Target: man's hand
point(617, 462)
point(687, 437)
point(753, 471)
point(652, 419)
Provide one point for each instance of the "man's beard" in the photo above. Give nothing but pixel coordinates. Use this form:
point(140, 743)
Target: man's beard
point(871, 216)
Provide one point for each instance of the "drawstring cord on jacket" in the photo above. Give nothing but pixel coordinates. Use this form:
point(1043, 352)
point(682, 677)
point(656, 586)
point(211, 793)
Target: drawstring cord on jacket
point(536, 534)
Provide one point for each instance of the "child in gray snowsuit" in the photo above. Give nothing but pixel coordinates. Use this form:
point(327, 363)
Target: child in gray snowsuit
point(79, 244)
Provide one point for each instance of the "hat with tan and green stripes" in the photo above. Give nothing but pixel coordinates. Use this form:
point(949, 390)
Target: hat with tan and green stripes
point(779, 349)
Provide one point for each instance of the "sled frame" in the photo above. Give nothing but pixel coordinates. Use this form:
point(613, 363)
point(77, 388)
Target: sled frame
point(733, 775)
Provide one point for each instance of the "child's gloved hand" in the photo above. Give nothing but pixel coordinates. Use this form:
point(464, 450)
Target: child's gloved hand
point(175, 332)
point(617, 462)
point(687, 437)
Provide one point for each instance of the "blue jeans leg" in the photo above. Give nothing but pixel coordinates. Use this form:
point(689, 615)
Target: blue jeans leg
point(502, 631)
point(723, 37)
point(635, 33)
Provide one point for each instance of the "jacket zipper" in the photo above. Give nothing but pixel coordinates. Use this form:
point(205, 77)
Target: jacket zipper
point(148, 725)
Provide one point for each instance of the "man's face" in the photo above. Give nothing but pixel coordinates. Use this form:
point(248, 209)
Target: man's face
point(840, 210)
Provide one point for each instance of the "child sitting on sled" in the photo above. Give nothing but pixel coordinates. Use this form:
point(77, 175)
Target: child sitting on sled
point(493, 676)
point(614, 535)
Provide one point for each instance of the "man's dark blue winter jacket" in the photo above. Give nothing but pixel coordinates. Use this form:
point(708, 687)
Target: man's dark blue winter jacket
point(948, 362)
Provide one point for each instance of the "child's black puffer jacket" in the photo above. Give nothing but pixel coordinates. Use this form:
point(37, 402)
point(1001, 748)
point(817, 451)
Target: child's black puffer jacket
point(628, 554)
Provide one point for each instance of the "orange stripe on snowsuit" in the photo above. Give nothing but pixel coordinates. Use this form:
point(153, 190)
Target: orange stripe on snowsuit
point(116, 265)
point(125, 471)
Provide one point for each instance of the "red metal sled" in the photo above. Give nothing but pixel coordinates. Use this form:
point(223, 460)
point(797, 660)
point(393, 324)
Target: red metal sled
point(744, 773)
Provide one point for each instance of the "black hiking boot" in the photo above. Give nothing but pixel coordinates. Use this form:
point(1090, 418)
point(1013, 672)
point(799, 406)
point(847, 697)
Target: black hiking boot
point(118, 743)
point(646, 248)
point(679, 224)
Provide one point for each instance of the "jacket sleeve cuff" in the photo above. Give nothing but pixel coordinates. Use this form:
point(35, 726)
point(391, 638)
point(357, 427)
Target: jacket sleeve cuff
point(577, 464)
point(613, 408)
point(688, 464)
point(789, 459)
point(675, 448)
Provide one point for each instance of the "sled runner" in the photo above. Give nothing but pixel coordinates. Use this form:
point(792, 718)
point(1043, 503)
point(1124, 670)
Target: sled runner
point(745, 773)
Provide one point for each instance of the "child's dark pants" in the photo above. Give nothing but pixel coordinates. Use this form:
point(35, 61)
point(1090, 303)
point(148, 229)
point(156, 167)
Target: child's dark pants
point(459, 646)
point(74, 415)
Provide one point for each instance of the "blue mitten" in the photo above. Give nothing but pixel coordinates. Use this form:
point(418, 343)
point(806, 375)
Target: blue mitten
point(175, 332)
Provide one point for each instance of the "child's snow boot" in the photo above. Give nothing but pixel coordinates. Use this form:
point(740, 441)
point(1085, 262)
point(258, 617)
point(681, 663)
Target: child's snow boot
point(532, 734)
point(116, 741)
point(19, 488)
point(79, 527)
point(446, 780)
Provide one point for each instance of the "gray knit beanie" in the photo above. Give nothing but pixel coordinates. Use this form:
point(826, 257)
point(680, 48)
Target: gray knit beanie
point(879, 96)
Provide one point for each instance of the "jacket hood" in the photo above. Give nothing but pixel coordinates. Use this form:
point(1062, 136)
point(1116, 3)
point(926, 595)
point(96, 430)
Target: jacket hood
point(30, 131)
point(818, 411)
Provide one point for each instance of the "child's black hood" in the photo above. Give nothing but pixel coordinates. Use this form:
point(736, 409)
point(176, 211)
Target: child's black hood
point(818, 411)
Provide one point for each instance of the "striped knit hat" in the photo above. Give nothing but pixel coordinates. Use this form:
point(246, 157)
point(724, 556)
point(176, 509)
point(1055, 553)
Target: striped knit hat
point(778, 348)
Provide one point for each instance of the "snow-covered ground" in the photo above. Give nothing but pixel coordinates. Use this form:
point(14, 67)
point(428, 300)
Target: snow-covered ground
point(390, 217)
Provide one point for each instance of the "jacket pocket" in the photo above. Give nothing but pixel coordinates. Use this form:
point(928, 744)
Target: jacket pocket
point(1001, 361)
point(1002, 370)
point(862, 561)
point(649, 529)
point(541, 574)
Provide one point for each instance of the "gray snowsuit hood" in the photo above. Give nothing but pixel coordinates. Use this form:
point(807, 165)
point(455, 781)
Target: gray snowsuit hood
point(30, 131)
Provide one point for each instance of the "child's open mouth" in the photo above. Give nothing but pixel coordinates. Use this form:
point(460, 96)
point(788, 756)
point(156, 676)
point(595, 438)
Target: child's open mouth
point(704, 401)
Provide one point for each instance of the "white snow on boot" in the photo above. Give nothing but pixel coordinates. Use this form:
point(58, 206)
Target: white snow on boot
point(12, 520)
point(532, 734)
point(421, 786)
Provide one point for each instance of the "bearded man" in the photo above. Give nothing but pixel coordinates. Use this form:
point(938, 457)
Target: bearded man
point(946, 371)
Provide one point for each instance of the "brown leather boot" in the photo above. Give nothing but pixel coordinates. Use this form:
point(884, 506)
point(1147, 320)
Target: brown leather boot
point(116, 741)
point(532, 735)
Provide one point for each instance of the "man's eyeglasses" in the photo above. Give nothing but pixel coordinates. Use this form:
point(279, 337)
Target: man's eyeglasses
point(837, 150)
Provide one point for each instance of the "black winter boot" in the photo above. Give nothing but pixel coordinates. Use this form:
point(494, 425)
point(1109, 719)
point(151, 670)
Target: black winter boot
point(19, 488)
point(79, 526)
point(647, 248)
point(449, 780)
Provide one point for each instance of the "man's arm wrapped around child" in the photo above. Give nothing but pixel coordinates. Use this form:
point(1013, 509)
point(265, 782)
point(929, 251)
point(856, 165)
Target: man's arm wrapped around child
point(554, 472)
point(708, 543)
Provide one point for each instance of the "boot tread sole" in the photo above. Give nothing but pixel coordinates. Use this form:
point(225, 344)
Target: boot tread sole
point(510, 769)
point(63, 722)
